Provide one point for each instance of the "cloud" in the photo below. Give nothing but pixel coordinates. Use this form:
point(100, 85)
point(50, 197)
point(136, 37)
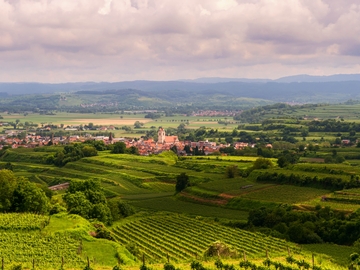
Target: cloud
point(114, 40)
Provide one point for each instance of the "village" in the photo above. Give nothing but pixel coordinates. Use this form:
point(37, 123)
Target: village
point(11, 137)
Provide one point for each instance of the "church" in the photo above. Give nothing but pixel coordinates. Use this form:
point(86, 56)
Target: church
point(163, 139)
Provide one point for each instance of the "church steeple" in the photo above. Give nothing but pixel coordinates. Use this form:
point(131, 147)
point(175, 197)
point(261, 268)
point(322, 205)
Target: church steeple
point(161, 135)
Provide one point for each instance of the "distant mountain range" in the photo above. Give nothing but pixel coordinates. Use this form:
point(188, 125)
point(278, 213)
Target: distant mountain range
point(309, 78)
point(299, 88)
point(288, 79)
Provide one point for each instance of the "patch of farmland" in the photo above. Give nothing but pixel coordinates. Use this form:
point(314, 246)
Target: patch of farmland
point(171, 204)
point(183, 238)
point(233, 186)
point(160, 186)
point(162, 172)
point(347, 207)
point(285, 194)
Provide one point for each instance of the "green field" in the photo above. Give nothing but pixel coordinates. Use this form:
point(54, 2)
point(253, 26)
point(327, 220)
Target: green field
point(119, 120)
point(285, 194)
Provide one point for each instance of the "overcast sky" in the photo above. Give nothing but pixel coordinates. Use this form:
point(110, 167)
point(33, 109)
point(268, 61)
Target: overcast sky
point(117, 40)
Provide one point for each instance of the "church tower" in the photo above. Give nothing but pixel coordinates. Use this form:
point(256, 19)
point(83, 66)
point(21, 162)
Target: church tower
point(161, 135)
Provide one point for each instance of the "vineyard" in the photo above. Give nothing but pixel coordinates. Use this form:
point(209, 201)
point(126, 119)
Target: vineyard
point(21, 222)
point(23, 241)
point(184, 238)
point(47, 251)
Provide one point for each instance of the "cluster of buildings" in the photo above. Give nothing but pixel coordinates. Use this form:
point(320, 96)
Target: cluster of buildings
point(144, 146)
point(165, 143)
point(215, 113)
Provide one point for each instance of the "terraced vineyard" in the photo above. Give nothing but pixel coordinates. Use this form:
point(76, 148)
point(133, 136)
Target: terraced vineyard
point(47, 251)
point(22, 241)
point(123, 174)
point(183, 238)
point(18, 221)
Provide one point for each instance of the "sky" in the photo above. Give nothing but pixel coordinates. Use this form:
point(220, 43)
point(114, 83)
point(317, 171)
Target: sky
point(122, 40)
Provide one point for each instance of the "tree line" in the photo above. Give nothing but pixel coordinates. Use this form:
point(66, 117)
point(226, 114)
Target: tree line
point(318, 226)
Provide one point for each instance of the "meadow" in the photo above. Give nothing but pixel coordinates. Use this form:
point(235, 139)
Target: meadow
point(122, 119)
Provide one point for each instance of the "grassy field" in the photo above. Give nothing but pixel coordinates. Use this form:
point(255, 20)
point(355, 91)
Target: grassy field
point(339, 254)
point(286, 194)
point(118, 120)
point(321, 111)
point(171, 204)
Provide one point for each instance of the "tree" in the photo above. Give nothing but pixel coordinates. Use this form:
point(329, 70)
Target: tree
point(20, 195)
point(229, 139)
point(120, 209)
point(89, 151)
point(187, 149)
point(174, 149)
point(152, 115)
point(87, 199)
point(182, 182)
point(27, 197)
point(231, 171)
point(132, 150)
point(282, 162)
point(138, 124)
point(119, 148)
point(262, 163)
point(8, 183)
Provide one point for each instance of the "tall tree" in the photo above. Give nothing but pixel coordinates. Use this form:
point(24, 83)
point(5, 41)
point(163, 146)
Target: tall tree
point(182, 181)
point(8, 184)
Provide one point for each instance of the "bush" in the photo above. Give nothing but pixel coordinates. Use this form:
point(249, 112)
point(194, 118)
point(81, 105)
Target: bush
point(262, 163)
point(120, 209)
point(57, 208)
point(169, 266)
point(218, 248)
point(103, 232)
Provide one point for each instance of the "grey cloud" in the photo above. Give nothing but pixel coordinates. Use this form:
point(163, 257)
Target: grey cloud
point(134, 39)
point(352, 50)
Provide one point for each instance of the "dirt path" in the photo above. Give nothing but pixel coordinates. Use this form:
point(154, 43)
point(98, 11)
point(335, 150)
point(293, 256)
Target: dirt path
point(226, 196)
point(203, 200)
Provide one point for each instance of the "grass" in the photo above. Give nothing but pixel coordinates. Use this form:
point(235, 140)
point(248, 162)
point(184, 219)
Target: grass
point(285, 194)
point(171, 204)
point(334, 205)
point(338, 254)
point(122, 120)
point(107, 256)
point(233, 186)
